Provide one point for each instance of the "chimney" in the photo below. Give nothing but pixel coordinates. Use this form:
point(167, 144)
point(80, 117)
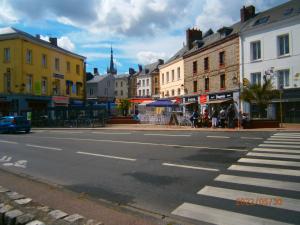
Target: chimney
point(96, 71)
point(247, 13)
point(131, 71)
point(53, 41)
point(140, 68)
point(191, 36)
point(38, 36)
point(160, 61)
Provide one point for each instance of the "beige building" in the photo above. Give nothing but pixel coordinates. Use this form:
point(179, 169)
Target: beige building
point(171, 76)
point(121, 86)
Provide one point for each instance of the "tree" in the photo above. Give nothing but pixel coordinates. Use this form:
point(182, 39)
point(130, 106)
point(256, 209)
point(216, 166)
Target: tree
point(260, 95)
point(124, 105)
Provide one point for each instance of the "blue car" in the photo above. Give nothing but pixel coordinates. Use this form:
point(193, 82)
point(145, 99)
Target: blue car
point(13, 124)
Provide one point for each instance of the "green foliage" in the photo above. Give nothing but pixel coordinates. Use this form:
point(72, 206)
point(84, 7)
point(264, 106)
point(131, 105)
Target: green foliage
point(124, 106)
point(260, 95)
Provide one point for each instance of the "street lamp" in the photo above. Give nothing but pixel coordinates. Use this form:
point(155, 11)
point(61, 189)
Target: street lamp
point(235, 81)
point(280, 102)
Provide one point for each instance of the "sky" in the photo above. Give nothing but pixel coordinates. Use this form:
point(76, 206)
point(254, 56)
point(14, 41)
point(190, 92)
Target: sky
point(140, 31)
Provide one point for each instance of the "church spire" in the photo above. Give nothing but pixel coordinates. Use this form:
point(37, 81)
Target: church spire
point(112, 70)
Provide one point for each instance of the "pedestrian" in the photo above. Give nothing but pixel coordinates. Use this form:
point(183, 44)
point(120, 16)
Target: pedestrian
point(194, 118)
point(214, 118)
point(205, 118)
point(231, 116)
point(245, 121)
point(222, 117)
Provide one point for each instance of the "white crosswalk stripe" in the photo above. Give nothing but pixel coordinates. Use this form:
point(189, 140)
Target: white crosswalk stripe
point(278, 155)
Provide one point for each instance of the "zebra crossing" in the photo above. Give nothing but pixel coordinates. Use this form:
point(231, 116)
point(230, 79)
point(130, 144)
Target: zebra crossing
point(263, 187)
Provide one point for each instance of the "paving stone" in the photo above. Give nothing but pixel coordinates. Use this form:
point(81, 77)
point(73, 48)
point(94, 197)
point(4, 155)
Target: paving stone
point(57, 214)
point(23, 201)
point(24, 219)
point(74, 218)
point(2, 189)
point(35, 222)
point(10, 216)
point(93, 222)
point(60, 222)
point(44, 208)
point(4, 210)
point(14, 195)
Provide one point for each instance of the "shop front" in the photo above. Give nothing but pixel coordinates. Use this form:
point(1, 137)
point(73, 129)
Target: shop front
point(223, 101)
point(190, 103)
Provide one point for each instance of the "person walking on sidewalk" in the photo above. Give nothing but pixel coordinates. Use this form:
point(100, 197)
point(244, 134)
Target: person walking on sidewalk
point(194, 118)
point(222, 117)
point(214, 118)
point(231, 116)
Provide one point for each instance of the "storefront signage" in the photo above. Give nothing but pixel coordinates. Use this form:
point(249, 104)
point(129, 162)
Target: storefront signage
point(59, 76)
point(60, 99)
point(3, 99)
point(191, 99)
point(203, 99)
point(221, 96)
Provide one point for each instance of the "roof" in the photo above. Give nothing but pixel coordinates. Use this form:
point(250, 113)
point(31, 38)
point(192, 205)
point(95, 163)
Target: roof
point(96, 79)
point(150, 68)
point(279, 13)
point(178, 54)
point(122, 76)
point(11, 32)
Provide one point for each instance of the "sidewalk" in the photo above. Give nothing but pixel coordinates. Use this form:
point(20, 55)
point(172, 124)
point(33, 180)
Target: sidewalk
point(70, 202)
point(151, 127)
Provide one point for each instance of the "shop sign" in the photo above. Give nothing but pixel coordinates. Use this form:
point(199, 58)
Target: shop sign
point(221, 96)
point(60, 99)
point(59, 76)
point(38, 88)
point(191, 99)
point(3, 98)
point(203, 99)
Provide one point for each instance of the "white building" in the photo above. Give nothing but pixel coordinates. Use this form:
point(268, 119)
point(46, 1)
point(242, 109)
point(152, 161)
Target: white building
point(270, 46)
point(121, 86)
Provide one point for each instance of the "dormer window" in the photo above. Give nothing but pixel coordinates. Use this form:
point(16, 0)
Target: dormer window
point(288, 11)
point(225, 31)
point(261, 21)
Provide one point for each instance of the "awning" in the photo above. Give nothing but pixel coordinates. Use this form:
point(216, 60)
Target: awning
point(219, 101)
point(162, 103)
point(188, 103)
point(144, 103)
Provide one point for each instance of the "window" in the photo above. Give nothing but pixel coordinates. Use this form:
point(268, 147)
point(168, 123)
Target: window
point(78, 69)
point(178, 73)
point(140, 92)
point(57, 64)
point(147, 92)
point(121, 83)
point(156, 91)
point(44, 85)
point(116, 92)
point(163, 94)
point(178, 91)
point(283, 78)
point(261, 21)
point(144, 92)
point(68, 67)
point(143, 83)
point(167, 77)
point(206, 84)
point(206, 63)
point(222, 81)
point(173, 75)
point(116, 84)
point(283, 45)
point(147, 81)
point(69, 85)
point(29, 56)
point(7, 82)
point(29, 83)
point(121, 92)
point(108, 83)
point(156, 80)
point(195, 67)
point(78, 88)
point(44, 60)
point(288, 11)
point(167, 94)
point(6, 54)
point(56, 87)
point(256, 78)
point(255, 50)
point(222, 58)
point(195, 88)
point(163, 78)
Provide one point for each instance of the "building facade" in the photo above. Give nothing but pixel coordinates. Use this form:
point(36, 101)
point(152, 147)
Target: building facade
point(270, 47)
point(211, 67)
point(172, 76)
point(36, 74)
point(121, 86)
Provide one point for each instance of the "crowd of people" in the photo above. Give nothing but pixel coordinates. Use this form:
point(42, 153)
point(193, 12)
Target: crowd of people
point(220, 117)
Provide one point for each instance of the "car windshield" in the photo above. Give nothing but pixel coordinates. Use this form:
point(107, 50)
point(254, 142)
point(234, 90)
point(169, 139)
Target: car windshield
point(5, 119)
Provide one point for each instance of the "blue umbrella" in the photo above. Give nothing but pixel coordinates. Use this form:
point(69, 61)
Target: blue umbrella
point(162, 103)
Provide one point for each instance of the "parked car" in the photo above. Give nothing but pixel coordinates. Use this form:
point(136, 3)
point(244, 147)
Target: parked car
point(13, 124)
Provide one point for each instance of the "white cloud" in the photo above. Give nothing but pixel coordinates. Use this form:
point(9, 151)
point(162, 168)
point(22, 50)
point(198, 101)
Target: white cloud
point(6, 13)
point(149, 57)
point(63, 42)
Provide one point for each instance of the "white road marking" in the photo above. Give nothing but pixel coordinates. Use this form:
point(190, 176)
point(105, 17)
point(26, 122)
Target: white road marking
point(252, 138)
point(7, 164)
point(190, 167)
point(8, 142)
point(231, 194)
point(219, 216)
point(123, 133)
point(106, 156)
point(67, 132)
point(44, 147)
point(283, 142)
point(283, 139)
point(169, 135)
point(279, 146)
point(276, 150)
point(276, 184)
point(5, 159)
point(270, 162)
point(286, 137)
point(271, 155)
point(224, 137)
point(21, 164)
point(144, 143)
point(287, 134)
point(267, 170)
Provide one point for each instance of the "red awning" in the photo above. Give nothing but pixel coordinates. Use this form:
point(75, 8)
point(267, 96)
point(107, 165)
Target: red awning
point(140, 100)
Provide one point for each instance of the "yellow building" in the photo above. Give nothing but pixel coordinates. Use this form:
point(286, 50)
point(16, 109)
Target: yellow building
point(36, 74)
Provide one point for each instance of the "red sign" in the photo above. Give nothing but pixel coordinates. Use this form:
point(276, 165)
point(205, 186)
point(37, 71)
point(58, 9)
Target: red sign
point(60, 99)
point(203, 99)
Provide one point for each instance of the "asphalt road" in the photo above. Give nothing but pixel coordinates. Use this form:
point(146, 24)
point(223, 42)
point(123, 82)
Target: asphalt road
point(191, 176)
